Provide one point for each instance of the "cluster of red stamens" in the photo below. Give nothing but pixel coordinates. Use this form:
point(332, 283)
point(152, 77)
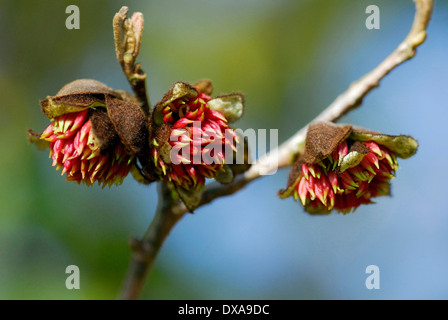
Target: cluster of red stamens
point(74, 148)
point(322, 186)
point(197, 132)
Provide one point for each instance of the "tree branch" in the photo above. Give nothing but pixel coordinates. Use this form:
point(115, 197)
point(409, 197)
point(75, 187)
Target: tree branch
point(145, 251)
point(170, 211)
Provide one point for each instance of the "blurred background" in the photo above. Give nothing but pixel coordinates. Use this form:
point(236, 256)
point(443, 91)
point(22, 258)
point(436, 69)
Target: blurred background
point(291, 59)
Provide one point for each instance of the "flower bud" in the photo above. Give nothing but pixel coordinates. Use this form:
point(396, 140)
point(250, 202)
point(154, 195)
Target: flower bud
point(343, 167)
point(127, 36)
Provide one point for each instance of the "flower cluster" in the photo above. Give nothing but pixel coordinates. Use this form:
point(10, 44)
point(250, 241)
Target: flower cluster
point(99, 135)
point(343, 167)
point(198, 139)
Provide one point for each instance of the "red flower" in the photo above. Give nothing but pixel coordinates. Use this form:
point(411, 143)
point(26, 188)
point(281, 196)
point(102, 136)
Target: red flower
point(343, 167)
point(195, 135)
point(96, 133)
point(321, 187)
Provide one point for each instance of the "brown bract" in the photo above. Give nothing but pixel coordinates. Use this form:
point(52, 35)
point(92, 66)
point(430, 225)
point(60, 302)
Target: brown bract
point(130, 124)
point(322, 138)
point(104, 130)
point(179, 91)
